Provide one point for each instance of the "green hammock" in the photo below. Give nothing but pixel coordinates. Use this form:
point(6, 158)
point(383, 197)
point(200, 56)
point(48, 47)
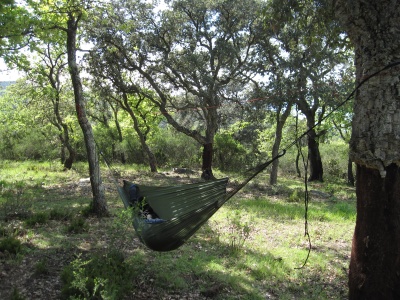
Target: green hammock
point(184, 209)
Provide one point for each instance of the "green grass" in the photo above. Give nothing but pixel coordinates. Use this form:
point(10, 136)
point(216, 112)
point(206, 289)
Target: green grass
point(251, 248)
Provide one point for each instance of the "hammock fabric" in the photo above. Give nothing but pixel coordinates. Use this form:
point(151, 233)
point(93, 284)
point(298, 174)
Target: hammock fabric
point(183, 209)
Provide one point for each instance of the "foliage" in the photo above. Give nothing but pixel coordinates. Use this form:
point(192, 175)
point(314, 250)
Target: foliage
point(167, 143)
point(239, 231)
point(197, 72)
point(29, 128)
point(38, 218)
point(41, 267)
point(15, 31)
point(296, 196)
point(119, 230)
point(77, 225)
point(103, 276)
point(13, 205)
point(250, 248)
point(16, 295)
point(59, 214)
point(10, 245)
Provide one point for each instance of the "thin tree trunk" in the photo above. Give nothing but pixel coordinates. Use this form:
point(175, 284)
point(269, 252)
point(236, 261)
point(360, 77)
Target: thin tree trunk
point(99, 204)
point(67, 143)
point(298, 161)
point(142, 137)
point(280, 122)
point(63, 136)
point(350, 175)
point(62, 149)
point(119, 131)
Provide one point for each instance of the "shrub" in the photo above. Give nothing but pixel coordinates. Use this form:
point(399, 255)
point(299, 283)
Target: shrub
point(10, 245)
point(3, 231)
point(167, 143)
point(296, 196)
point(15, 205)
point(37, 219)
point(41, 267)
point(230, 155)
point(59, 215)
point(239, 231)
point(87, 211)
point(78, 225)
point(333, 168)
point(16, 295)
point(105, 276)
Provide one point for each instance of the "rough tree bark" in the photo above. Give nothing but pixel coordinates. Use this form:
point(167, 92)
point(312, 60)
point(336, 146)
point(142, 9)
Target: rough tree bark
point(373, 27)
point(99, 204)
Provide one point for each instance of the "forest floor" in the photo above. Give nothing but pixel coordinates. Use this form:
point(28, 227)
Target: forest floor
point(250, 250)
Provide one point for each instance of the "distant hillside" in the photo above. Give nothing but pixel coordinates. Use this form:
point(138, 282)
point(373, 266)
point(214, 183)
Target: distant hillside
point(4, 84)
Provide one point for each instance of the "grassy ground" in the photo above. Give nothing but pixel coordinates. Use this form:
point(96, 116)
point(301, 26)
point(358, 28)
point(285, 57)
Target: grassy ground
point(253, 248)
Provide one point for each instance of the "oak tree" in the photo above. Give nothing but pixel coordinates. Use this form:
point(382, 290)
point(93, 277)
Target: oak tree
point(373, 27)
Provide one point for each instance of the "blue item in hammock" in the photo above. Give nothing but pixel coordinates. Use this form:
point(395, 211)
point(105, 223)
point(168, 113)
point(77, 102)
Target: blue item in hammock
point(154, 221)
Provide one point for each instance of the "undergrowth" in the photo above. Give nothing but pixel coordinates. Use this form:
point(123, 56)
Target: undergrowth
point(250, 249)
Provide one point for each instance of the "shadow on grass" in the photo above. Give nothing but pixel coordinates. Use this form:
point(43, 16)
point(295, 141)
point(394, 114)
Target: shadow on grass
point(280, 210)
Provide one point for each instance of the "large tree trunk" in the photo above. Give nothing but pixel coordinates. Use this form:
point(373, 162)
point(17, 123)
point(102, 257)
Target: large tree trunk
point(373, 27)
point(314, 157)
point(375, 264)
point(99, 204)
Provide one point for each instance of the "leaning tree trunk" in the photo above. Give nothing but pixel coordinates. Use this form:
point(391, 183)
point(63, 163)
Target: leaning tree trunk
point(373, 27)
point(142, 137)
point(280, 122)
point(99, 204)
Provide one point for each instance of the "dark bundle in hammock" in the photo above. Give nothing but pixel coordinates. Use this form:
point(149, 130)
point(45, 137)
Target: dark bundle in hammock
point(180, 210)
